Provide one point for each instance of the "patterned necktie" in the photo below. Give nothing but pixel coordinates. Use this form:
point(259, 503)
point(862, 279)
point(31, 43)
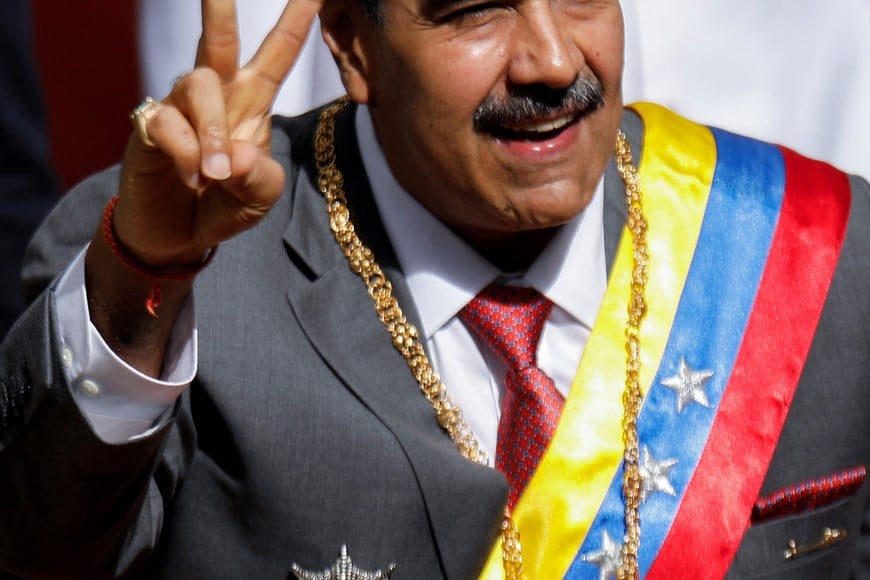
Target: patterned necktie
point(510, 320)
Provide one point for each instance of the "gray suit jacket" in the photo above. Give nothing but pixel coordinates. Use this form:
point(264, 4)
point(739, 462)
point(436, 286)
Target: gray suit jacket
point(304, 430)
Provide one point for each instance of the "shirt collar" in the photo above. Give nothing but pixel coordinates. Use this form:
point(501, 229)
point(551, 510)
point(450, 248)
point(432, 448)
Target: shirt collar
point(444, 273)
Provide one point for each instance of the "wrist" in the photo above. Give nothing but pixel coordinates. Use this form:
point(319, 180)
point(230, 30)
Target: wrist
point(154, 275)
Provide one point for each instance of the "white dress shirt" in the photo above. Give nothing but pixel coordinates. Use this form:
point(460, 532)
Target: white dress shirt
point(121, 403)
point(443, 272)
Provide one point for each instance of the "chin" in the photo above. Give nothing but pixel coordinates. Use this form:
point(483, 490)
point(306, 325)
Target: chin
point(549, 209)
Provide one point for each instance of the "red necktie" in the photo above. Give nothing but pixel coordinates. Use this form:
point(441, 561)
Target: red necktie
point(510, 320)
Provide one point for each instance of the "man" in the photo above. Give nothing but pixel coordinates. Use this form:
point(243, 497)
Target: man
point(724, 351)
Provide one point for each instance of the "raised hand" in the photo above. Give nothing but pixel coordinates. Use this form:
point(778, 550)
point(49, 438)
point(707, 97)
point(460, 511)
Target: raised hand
point(197, 172)
point(209, 174)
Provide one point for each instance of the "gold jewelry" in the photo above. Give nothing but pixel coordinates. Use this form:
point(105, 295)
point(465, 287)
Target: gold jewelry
point(406, 337)
point(632, 397)
point(141, 116)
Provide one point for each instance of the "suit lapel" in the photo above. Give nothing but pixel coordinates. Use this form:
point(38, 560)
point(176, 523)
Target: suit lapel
point(335, 311)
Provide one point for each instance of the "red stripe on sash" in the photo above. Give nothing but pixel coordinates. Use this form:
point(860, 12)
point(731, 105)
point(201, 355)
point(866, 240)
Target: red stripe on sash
point(718, 503)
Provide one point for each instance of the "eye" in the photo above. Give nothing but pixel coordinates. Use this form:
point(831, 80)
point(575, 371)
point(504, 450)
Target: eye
point(471, 12)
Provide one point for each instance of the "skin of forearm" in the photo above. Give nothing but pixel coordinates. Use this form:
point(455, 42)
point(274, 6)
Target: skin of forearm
point(116, 301)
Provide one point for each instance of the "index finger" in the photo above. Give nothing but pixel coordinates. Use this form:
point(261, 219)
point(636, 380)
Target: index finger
point(219, 43)
point(282, 45)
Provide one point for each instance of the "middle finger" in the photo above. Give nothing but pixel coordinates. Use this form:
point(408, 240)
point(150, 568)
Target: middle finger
point(199, 97)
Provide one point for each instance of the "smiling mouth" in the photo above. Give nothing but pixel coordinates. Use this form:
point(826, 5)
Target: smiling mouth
point(534, 129)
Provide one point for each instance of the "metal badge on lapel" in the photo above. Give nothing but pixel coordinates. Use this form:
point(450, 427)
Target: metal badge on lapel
point(343, 569)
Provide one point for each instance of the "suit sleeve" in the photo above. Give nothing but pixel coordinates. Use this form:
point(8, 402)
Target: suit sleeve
point(71, 504)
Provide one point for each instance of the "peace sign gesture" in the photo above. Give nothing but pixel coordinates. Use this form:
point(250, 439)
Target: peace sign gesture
point(197, 171)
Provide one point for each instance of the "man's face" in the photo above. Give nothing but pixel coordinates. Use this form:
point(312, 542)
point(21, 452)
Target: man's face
point(499, 116)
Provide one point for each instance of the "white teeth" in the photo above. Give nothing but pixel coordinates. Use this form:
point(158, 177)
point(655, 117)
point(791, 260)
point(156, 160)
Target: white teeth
point(545, 126)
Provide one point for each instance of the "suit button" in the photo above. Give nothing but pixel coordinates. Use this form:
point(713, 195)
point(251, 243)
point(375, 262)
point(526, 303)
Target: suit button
point(67, 357)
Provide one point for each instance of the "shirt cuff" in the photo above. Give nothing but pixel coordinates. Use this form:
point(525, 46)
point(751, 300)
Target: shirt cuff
point(121, 403)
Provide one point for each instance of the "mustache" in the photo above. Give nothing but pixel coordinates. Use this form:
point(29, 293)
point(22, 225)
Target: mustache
point(584, 95)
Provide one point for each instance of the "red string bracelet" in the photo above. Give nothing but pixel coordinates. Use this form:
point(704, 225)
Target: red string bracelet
point(155, 276)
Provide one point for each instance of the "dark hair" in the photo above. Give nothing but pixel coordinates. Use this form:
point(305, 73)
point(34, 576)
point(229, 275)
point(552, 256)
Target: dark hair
point(374, 9)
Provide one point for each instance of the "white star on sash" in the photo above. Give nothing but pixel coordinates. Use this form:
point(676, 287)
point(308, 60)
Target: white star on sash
point(654, 474)
point(690, 385)
point(608, 558)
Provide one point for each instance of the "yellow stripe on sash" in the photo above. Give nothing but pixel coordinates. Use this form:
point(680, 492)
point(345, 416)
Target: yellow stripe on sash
point(564, 495)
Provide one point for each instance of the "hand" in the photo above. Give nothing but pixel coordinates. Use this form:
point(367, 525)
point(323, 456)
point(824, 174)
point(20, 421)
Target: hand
point(210, 174)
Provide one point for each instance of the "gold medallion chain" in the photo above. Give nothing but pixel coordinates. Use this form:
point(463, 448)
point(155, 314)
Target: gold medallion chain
point(632, 397)
point(406, 338)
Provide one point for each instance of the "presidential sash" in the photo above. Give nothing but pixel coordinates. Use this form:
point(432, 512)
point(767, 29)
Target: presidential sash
point(743, 239)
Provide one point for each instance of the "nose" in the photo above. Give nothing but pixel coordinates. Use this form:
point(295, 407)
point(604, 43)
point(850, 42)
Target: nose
point(543, 50)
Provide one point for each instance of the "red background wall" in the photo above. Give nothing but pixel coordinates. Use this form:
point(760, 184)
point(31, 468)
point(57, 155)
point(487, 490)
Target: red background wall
point(86, 51)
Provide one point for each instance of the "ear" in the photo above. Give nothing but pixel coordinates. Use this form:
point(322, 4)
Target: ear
point(344, 26)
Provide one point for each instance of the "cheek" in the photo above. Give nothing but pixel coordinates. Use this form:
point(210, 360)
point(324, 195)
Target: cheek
point(442, 88)
point(604, 51)
point(452, 73)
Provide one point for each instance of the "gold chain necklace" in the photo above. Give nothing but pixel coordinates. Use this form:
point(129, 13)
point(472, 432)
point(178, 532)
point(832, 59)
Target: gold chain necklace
point(407, 341)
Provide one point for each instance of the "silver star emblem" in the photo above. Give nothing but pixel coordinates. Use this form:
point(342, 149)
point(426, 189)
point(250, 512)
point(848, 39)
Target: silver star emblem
point(690, 385)
point(343, 569)
point(654, 474)
point(608, 558)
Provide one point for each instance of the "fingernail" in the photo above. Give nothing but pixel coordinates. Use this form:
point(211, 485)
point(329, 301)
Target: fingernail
point(193, 181)
point(217, 166)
